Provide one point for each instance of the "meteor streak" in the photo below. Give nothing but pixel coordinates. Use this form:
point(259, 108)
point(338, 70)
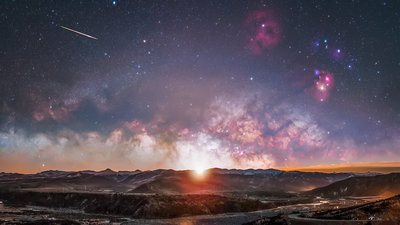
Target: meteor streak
point(86, 35)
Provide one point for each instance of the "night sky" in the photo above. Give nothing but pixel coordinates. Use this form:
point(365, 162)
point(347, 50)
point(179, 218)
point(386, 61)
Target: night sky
point(198, 84)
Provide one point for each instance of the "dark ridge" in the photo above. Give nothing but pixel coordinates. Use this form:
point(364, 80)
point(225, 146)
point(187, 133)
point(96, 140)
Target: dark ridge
point(387, 185)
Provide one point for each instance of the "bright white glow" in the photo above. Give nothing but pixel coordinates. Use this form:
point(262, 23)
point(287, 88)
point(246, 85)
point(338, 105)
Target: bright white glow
point(200, 168)
point(199, 171)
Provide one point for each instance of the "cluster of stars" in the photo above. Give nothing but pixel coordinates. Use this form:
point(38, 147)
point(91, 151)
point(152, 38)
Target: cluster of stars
point(323, 84)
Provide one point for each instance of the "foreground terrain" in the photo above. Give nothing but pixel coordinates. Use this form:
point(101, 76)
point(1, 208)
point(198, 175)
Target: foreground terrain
point(388, 209)
point(387, 185)
point(21, 214)
point(383, 212)
point(136, 206)
point(183, 197)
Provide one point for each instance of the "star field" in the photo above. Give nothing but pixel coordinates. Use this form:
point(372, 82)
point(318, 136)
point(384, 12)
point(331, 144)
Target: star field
point(188, 84)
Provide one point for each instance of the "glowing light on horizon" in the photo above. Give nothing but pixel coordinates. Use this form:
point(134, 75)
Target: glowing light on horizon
point(199, 171)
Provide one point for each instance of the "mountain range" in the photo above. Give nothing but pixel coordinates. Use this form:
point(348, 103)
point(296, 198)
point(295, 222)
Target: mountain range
point(172, 181)
point(385, 185)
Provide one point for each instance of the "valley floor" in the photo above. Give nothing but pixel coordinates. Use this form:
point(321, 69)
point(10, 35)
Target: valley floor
point(45, 215)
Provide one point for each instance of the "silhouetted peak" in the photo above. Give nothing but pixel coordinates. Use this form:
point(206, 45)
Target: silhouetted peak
point(107, 171)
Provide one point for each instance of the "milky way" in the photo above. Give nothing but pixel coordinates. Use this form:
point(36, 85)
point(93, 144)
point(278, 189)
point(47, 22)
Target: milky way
point(198, 84)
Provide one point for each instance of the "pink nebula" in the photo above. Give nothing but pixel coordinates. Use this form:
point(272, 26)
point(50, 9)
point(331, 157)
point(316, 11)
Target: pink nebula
point(323, 86)
point(264, 31)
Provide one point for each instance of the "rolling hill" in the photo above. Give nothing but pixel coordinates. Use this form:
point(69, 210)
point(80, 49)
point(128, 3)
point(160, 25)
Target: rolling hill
point(386, 185)
point(383, 210)
point(171, 181)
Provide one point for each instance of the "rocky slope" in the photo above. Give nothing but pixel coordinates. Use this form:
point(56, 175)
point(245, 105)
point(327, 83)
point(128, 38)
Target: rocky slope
point(384, 210)
point(135, 206)
point(388, 185)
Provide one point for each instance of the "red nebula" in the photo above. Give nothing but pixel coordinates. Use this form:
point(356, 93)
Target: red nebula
point(323, 86)
point(264, 31)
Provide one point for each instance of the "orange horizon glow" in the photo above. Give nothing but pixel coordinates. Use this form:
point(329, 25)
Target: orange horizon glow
point(384, 167)
point(199, 171)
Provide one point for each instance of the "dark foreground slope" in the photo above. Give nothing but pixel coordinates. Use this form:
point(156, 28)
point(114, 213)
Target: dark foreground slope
point(387, 185)
point(383, 212)
point(135, 206)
